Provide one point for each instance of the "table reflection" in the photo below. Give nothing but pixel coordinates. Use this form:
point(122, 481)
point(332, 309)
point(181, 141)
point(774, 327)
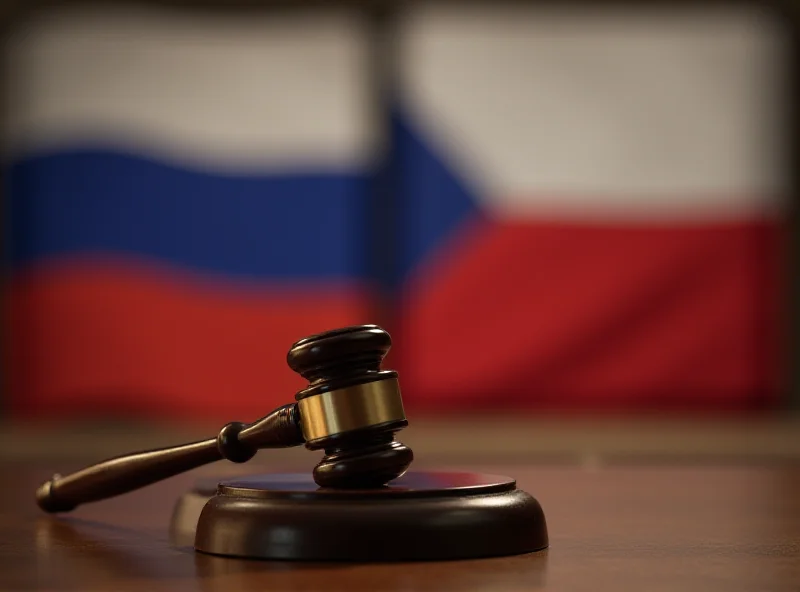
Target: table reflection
point(76, 554)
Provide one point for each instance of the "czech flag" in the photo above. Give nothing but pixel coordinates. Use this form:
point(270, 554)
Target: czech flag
point(592, 203)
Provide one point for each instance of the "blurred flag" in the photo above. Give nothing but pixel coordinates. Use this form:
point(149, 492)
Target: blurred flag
point(592, 205)
point(185, 199)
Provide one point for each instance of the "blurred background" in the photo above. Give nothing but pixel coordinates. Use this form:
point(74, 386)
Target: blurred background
point(577, 220)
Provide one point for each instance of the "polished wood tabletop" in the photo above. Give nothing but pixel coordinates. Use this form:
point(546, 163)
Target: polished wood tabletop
point(706, 525)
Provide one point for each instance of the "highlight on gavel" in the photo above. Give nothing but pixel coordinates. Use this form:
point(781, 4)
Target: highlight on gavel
point(351, 409)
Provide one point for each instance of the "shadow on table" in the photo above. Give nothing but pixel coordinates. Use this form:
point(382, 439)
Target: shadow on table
point(222, 574)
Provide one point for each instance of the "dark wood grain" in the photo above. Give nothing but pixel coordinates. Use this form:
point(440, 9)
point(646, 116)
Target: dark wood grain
point(637, 528)
point(422, 516)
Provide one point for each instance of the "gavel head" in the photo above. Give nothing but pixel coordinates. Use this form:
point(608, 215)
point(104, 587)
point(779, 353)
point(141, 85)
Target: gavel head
point(351, 408)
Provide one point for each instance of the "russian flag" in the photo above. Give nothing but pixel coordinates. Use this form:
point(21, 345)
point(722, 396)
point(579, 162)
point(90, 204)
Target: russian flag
point(186, 198)
point(592, 203)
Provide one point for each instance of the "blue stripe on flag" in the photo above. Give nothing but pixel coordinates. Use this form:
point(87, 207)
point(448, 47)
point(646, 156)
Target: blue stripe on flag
point(434, 200)
point(308, 225)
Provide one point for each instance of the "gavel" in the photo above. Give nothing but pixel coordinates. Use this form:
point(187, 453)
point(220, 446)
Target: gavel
point(351, 409)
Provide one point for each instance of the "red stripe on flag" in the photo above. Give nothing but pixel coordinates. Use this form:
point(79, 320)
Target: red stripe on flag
point(546, 315)
point(111, 338)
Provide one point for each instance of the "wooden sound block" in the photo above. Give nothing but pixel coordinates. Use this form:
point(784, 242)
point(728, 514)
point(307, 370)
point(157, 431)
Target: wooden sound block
point(420, 516)
point(187, 510)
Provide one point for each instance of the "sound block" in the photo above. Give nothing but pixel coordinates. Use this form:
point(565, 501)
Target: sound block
point(187, 510)
point(420, 516)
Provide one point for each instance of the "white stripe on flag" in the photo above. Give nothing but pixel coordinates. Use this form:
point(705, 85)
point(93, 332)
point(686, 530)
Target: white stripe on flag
point(597, 113)
point(231, 91)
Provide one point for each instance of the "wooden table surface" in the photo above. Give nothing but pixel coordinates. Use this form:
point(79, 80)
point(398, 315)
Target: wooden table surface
point(679, 527)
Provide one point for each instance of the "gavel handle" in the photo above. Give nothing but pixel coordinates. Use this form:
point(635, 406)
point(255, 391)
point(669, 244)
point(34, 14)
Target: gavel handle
point(236, 442)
